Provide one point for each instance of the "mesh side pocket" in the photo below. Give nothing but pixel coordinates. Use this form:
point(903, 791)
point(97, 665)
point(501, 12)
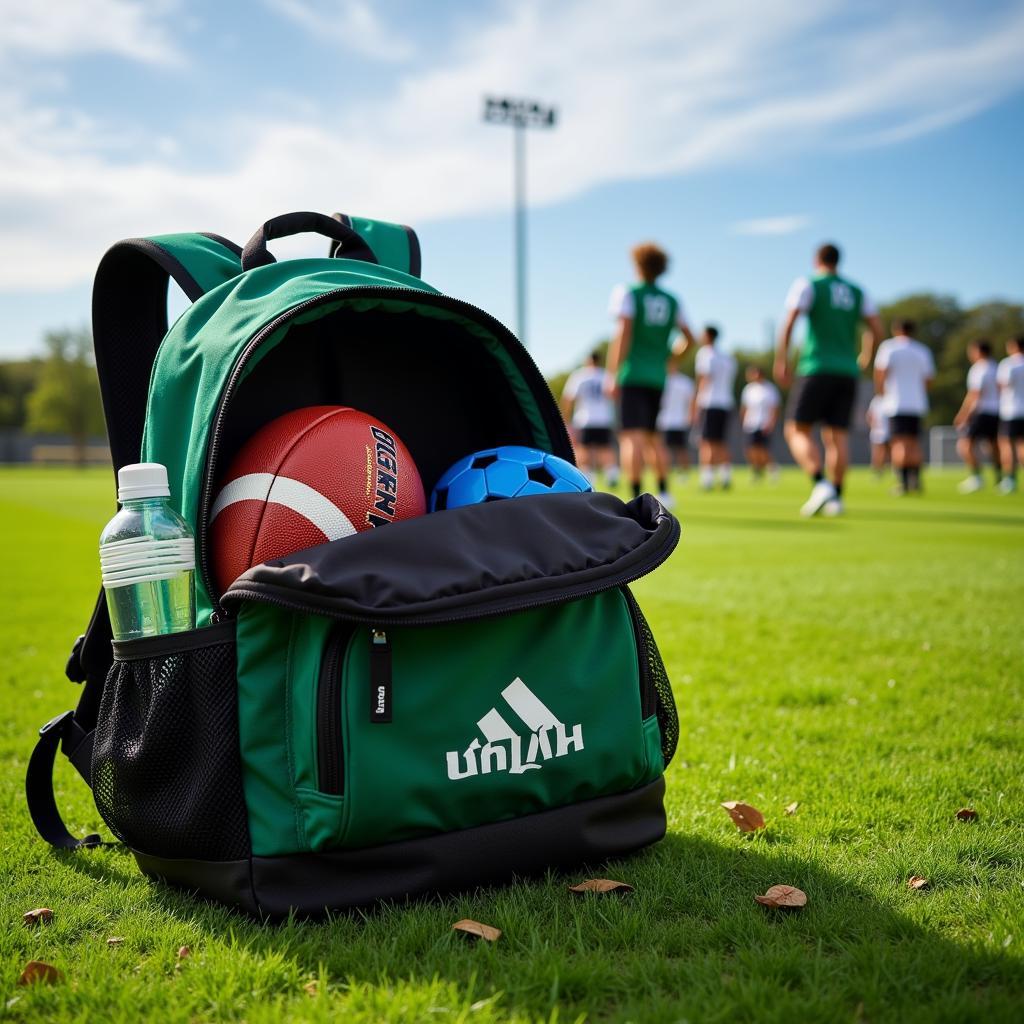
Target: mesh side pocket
point(166, 769)
point(655, 683)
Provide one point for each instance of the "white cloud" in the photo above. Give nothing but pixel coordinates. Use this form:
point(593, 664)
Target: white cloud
point(352, 23)
point(64, 28)
point(646, 89)
point(787, 225)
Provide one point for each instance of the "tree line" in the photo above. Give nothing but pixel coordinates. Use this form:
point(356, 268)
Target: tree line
point(942, 324)
point(58, 392)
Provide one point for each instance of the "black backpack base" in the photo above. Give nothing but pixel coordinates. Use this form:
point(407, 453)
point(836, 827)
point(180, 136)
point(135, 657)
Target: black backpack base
point(308, 885)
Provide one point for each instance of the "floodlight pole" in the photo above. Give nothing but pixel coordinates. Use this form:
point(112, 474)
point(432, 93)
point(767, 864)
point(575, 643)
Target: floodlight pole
point(519, 185)
point(520, 114)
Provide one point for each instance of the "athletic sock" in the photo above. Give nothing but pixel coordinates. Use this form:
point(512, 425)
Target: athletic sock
point(636, 489)
point(914, 476)
point(725, 474)
point(707, 476)
point(662, 485)
point(612, 475)
point(905, 472)
point(839, 489)
point(818, 477)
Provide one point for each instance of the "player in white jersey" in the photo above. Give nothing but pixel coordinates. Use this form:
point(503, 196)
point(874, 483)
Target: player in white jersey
point(978, 418)
point(591, 415)
point(674, 418)
point(1010, 379)
point(878, 433)
point(904, 371)
point(759, 405)
point(716, 371)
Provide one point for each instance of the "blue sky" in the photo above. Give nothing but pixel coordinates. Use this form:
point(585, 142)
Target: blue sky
point(737, 135)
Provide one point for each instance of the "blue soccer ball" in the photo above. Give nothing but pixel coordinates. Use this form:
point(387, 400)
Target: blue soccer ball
point(507, 472)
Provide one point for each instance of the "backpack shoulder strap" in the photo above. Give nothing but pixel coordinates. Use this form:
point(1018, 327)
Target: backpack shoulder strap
point(129, 320)
point(395, 245)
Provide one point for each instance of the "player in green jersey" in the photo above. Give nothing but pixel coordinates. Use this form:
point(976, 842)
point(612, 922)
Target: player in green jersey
point(646, 318)
point(827, 373)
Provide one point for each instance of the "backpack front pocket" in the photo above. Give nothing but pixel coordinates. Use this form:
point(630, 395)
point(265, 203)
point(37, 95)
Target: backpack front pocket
point(442, 728)
point(460, 669)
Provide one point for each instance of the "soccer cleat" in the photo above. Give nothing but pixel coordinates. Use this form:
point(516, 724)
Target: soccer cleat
point(1007, 485)
point(822, 493)
point(970, 485)
point(833, 508)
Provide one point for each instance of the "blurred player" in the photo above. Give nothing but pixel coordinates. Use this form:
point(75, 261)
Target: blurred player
point(1010, 378)
point(674, 419)
point(589, 411)
point(716, 372)
point(826, 384)
point(904, 371)
point(878, 433)
point(646, 318)
point(759, 405)
point(978, 418)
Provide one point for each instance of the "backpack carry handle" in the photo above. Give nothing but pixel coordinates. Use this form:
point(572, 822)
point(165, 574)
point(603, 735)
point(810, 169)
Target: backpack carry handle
point(353, 245)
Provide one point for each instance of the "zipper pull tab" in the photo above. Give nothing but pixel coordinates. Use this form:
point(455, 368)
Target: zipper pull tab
point(380, 676)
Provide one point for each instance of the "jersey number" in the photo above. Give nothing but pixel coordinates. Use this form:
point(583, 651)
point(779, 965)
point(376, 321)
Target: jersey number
point(657, 310)
point(842, 297)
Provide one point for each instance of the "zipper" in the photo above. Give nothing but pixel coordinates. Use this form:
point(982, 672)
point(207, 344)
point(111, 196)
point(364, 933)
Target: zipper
point(380, 676)
point(519, 355)
point(648, 694)
point(329, 754)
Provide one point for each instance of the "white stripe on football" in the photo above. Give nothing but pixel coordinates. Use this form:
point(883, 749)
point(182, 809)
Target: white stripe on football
point(282, 490)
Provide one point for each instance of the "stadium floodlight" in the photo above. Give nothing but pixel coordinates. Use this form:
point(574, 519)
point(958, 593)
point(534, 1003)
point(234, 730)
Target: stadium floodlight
point(520, 114)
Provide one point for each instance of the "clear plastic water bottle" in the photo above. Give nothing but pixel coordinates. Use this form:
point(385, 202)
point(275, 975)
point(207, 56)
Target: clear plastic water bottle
point(148, 558)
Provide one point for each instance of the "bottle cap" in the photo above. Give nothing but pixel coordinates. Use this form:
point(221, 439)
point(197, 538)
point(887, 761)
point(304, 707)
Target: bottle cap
point(142, 480)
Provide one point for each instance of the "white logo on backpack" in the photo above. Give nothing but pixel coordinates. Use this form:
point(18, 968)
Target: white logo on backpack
point(503, 747)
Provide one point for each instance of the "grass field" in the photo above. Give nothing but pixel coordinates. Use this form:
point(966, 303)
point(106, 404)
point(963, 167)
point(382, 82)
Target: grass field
point(868, 668)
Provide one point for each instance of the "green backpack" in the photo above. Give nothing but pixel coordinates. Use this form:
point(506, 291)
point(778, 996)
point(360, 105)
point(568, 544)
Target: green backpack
point(440, 704)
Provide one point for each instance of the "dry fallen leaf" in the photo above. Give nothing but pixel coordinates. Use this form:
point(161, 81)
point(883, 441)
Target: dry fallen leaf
point(38, 972)
point(601, 885)
point(41, 915)
point(784, 897)
point(114, 940)
point(311, 988)
point(184, 952)
point(791, 809)
point(747, 818)
point(917, 882)
point(477, 930)
point(966, 814)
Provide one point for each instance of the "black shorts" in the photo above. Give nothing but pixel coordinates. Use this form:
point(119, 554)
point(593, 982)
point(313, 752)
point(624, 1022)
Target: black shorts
point(715, 423)
point(596, 437)
point(984, 426)
point(677, 438)
point(1013, 429)
point(822, 398)
point(639, 407)
point(904, 425)
point(757, 439)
